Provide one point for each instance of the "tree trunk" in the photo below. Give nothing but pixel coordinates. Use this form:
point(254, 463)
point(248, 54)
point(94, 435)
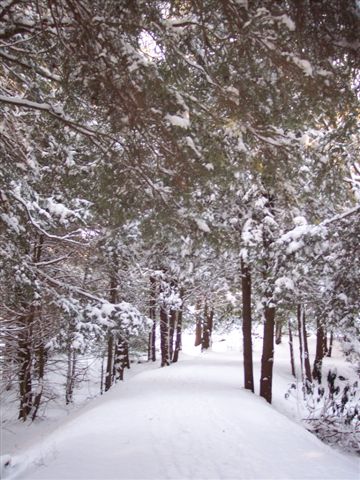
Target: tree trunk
point(152, 315)
point(25, 362)
point(41, 359)
point(207, 327)
point(325, 342)
point(126, 351)
point(301, 349)
point(267, 359)
point(69, 378)
point(329, 352)
point(278, 332)
point(178, 329)
point(121, 359)
point(291, 345)
point(304, 351)
point(171, 333)
point(26, 352)
point(198, 327)
point(164, 337)
point(109, 363)
point(246, 327)
point(40, 363)
point(25, 380)
point(102, 375)
point(320, 351)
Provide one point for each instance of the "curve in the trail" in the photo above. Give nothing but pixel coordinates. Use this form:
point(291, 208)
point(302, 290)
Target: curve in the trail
point(190, 421)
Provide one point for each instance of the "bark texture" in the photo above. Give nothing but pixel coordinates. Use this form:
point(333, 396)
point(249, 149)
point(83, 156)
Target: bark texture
point(246, 327)
point(267, 359)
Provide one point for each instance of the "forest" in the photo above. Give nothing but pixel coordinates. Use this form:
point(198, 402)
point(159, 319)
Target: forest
point(172, 165)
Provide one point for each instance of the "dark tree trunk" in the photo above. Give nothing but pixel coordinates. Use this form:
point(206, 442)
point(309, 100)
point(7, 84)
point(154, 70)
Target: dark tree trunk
point(102, 375)
point(329, 353)
point(121, 359)
point(149, 347)
point(278, 332)
point(152, 315)
point(178, 329)
point(325, 343)
point(27, 352)
point(291, 345)
point(164, 337)
point(40, 364)
point(267, 359)
point(109, 363)
point(246, 327)
point(301, 349)
point(304, 351)
point(111, 347)
point(207, 328)
point(25, 363)
point(70, 376)
point(198, 327)
point(25, 380)
point(127, 352)
point(171, 332)
point(320, 351)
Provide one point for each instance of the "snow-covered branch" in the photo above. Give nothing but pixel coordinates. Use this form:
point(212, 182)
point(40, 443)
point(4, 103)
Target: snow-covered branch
point(341, 216)
point(64, 238)
point(44, 72)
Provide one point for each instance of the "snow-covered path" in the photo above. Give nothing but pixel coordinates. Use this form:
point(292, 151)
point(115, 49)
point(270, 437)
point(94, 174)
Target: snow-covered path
point(189, 421)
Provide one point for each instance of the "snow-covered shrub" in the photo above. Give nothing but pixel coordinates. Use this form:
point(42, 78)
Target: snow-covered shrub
point(351, 348)
point(332, 412)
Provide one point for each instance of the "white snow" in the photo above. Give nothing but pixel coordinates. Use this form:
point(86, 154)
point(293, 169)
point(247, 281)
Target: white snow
point(178, 121)
point(287, 21)
point(189, 421)
point(202, 225)
point(284, 283)
point(305, 65)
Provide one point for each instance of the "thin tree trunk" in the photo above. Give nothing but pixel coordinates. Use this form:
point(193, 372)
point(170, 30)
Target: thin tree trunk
point(25, 362)
point(178, 329)
point(40, 362)
point(102, 375)
point(325, 342)
point(267, 359)
point(329, 353)
point(320, 351)
point(121, 359)
point(246, 327)
point(207, 327)
point(164, 337)
point(152, 315)
point(301, 349)
point(171, 333)
point(68, 389)
point(149, 347)
point(278, 332)
point(126, 351)
point(41, 358)
point(291, 345)
point(109, 363)
point(111, 346)
point(198, 326)
point(25, 344)
point(304, 351)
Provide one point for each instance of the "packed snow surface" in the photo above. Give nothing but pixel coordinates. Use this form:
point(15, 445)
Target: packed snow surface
point(189, 421)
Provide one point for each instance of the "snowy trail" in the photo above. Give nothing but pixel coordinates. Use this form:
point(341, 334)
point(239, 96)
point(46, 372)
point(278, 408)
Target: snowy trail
point(189, 421)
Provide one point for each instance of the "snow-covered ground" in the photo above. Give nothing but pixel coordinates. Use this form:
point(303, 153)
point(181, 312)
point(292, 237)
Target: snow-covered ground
point(190, 421)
